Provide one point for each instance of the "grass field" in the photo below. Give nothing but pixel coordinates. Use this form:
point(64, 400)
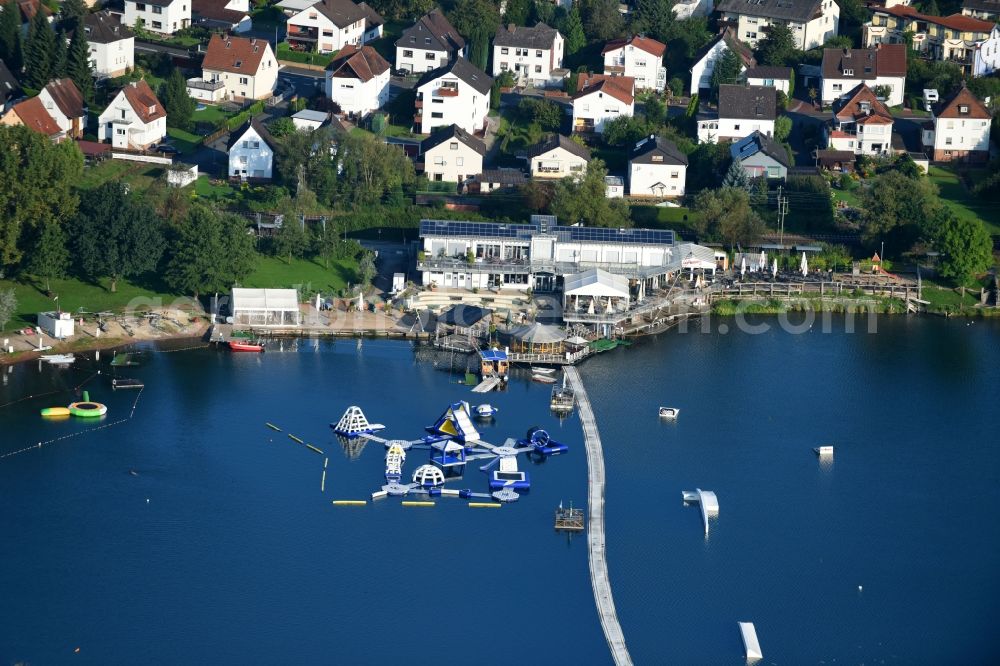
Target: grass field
point(962, 202)
point(185, 142)
point(210, 114)
point(273, 272)
point(656, 217)
point(138, 175)
point(204, 188)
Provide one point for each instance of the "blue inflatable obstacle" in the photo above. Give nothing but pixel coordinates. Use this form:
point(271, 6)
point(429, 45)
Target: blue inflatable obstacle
point(509, 476)
point(540, 441)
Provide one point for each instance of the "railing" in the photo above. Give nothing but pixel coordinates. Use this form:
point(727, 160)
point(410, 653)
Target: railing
point(201, 84)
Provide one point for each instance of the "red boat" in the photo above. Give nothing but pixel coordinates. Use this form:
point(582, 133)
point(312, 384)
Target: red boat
point(245, 346)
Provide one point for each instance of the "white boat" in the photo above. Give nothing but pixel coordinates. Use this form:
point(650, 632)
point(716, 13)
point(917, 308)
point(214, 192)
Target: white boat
point(670, 413)
point(58, 359)
point(544, 379)
point(543, 371)
point(824, 451)
point(486, 411)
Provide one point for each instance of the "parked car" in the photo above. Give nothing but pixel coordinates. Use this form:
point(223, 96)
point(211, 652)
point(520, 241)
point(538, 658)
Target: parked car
point(165, 149)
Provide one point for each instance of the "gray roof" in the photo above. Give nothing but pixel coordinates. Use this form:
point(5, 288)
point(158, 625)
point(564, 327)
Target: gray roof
point(310, 114)
point(559, 141)
point(644, 151)
point(436, 28)
point(452, 132)
point(258, 127)
point(748, 102)
point(465, 71)
point(539, 333)
point(539, 36)
point(463, 314)
point(992, 6)
point(759, 143)
point(507, 177)
point(786, 10)
point(342, 12)
point(765, 72)
point(9, 87)
point(103, 27)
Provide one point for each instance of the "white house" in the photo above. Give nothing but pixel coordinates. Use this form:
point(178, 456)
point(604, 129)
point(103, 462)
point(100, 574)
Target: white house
point(959, 130)
point(452, 155)
point(685, 9)
point(111, 44)
point(230, 15)
point(656, 168)
point(704, 61)
point(861, 123)
point(638, 57)
point(812, 22)
point(779, 78)
point(374, 23)
point(358, 80)
point(244, 66)
point(327, 26)
point(761, 156)
point(134, 118)
point(882, 68)
point(742, 110)
point(970, 43)
point(163, 16)
point(558, 157)
point(308, 120)
point(532, 54)
point(428, 44)
point(64, 102)
point(600, 98)
point(251, 152)
point(457, 94)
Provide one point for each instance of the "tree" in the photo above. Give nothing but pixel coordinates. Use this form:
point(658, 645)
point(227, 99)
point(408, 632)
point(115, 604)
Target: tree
point(778, 48)
point(8, 306)
point(366, 267)
point(280, 127)
point(37, 181)
point(475, 20)
point(966, 249)
point(725, 214)
point(210, 251)
point(728, 69)
point(517, 12)
point(78, 65)
point(291, 240)
point(737, 177)
point(10, 36)
point(653, 18)
point(49, 257)
point(626, 130)
point(40, 52)
point(545, 112)
point(176, 101)
point(371, 170)
point(59, 57)
point(894, 207)
point(782, 128)
point(930, 7)
point(585, 201)
point(573, 29)
point(116, 234)
point(71, 14)
point(601, 19)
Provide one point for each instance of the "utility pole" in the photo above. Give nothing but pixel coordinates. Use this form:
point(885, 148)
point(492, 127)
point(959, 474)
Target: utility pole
point(782, 211)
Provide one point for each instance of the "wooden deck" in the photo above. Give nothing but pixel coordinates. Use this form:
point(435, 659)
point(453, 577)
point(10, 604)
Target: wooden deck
point(595, 524)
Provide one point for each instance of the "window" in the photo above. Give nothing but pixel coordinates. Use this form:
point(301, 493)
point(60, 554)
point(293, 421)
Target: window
point(157, 10)
point(751, 35)
point(963, 108)
point(838, 87)
point(120, 132)
point(430, 55)
point(243, 80)
point(439, 177)
point(947, 141)
point(736, 127)
point(328, 33)
point(675, 174)
point(453, 145)
point(538, 69)
point(538, 54)
point(848, 72)
point(140, 7)
point(437, 114)
point(407, 53)
point(504, 51)
point(439, 161)
point(123, 114)
point(427, 40)
point(437, 100)
point(459, 161)
point(157, 25)
point(657, 158)
point(504, 67)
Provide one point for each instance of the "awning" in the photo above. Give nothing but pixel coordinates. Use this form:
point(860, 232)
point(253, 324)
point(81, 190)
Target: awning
point(596, 282)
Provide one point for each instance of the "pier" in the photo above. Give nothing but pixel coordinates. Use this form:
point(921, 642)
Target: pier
point(595, 524)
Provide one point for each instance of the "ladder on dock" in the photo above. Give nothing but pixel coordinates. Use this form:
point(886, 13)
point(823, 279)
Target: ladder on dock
point(599, 578)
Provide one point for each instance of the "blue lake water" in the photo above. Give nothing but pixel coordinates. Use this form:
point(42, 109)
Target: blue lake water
point(237, 557)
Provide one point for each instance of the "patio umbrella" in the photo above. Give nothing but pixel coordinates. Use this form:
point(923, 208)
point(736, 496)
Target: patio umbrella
point(805, 265)
point(743, 265)
point(590, 308)
point(608, 308)
point(762, 264)
point(774, 269)
point(317, 301)
point(361, 300)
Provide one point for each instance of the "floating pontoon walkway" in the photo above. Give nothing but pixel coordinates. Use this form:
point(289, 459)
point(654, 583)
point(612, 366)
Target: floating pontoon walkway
point(487, 385)
point(595, 523)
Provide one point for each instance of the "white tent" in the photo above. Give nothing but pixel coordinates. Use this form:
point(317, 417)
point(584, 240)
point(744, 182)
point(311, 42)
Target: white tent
point(265, 307)
point(595, 284)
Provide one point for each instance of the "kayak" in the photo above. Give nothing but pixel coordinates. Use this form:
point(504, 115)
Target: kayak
point(56, 411)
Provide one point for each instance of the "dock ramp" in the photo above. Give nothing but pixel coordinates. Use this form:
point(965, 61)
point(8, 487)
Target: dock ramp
point(486, 385)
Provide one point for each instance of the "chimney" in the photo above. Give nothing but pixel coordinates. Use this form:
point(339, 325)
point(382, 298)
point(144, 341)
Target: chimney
point(511, 27)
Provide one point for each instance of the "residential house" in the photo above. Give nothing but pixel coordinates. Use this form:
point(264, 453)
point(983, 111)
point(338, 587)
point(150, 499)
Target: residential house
point(64, 102)
point(456, 94)
point(860, 123)
point(656, 168)
point(161, 16)
point(614, 187)
point(503, 179)
point(779, 78)
point(761, 156)
point(244, 66)
point(600, 98)
point(32, 114)
point(638, 57)
point(959, 130)
point(327, 26)
point(704, 61)
point(428, 44)
point(685, 9)
point(971, 43)
point(308, 120)
point(229, 15)
point(532, 54)
point(987, 10)
point(358, 80)
point(10, 89)
point(111, 44)
point(558, 157)
point(374, 23)
point(812, 22)
point(251, 152)
point(742, 110)
point(882, 68)
point(452, 155)
point(134, 118)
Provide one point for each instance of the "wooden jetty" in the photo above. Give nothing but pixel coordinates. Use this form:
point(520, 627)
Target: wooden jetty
point(570, 520)
point(595, 533)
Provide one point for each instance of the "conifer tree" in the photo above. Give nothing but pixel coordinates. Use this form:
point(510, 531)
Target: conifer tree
point(78, 65)
point(573, 27)
point(10, 36)
point(59, 56)
point(39, 52)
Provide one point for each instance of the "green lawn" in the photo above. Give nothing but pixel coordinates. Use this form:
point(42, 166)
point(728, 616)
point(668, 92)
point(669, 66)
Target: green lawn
point(850, 197)
point(277, 273)
point(138, 175)
point(75, 295)
point(942, 297)
point(962, 202)
point(210, 114)
point(286, 53)
point(185, 142)
point(204, 188)
point(662, 217)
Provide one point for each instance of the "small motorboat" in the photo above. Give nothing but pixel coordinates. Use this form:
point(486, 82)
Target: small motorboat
point(669, 413)
point(58, 359)
point(486, 411)
point(543, 371)
point(823, 451)
point(245, 346)
point(544, 379)
point(126, 383)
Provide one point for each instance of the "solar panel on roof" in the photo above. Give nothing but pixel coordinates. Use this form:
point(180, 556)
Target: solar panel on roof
point(591, 234)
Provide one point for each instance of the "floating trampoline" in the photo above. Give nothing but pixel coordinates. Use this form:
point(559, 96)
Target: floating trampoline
point(87, 409)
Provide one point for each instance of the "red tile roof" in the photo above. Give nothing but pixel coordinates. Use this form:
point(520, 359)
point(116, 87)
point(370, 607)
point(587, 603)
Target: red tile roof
point(354, 63)
point(67, 97)
point(958, 22)
point(143, 101)
point(32, 114)
point(951, 107)
point(239, 55)
point(620, 87)
point(853, 110)
point(645, 43)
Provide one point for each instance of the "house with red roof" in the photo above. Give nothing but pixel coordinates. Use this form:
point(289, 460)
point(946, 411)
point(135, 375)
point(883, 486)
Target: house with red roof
point(238, 68)
point(882, 68)
point(64, 102)
point(638, 57)
point(959, 130)
point(861, 123)
point(134, 119)
point(969, 42)
point(600, 98)
point(32, 114)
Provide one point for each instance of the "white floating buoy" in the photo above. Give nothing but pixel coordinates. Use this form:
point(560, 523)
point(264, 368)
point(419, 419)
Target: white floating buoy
point(859, 587)
point(147, 500)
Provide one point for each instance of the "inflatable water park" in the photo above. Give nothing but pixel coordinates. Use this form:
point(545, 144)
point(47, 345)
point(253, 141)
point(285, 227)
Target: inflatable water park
point(452, 443)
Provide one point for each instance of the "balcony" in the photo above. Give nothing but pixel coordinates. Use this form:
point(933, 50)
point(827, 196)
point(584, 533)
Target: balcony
point(302, 33)
point(201, 84)
point(446, 92)
point(419, 104)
